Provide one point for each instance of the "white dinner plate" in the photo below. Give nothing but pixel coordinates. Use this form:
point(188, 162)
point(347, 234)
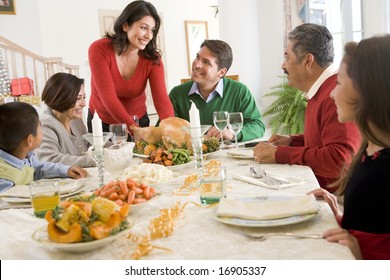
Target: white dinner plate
point(241, 153)
point(15, 199)
point(41, 237)
point(265, 223)
point(67, 187)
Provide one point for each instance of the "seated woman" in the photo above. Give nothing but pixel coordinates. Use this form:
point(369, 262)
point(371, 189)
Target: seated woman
point(62, 123)
point(362, 95)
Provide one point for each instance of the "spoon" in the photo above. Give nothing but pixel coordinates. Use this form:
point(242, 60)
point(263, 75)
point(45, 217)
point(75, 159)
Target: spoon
point(257, 171)
point(264, 236)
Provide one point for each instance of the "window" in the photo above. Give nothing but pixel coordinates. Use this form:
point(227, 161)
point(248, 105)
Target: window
point(343, 18)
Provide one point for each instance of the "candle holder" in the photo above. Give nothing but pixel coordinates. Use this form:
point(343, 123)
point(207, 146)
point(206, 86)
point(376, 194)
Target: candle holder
point(98, 143)
point(197, 141)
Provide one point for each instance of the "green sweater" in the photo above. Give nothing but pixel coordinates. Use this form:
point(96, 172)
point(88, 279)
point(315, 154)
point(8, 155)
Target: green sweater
point(236, 98)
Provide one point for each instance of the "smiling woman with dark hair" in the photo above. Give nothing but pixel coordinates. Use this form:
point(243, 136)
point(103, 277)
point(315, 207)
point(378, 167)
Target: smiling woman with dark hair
point(62, 123)
point(121, 65)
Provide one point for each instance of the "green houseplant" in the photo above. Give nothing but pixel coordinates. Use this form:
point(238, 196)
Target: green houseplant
point(287, 113)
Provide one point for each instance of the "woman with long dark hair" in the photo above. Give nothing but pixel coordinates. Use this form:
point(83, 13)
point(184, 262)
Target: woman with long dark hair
point(362, 96)
point(121, 65)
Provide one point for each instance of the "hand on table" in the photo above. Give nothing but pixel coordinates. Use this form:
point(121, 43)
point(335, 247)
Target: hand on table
point(264, 152)
point(77, 172)
point(280, 140)
point(331, 199)
point(343, 237)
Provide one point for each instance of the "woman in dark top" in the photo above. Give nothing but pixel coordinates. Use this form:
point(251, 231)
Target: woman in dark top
point(362, 95)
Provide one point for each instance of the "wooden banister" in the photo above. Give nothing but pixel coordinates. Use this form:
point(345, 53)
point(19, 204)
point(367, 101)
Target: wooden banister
point(21, 62)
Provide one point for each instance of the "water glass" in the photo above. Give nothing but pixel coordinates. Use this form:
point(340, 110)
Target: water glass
point(235, 123)
point(45, 196)
point(220, 119)
point(119, 132)
point(212, 184)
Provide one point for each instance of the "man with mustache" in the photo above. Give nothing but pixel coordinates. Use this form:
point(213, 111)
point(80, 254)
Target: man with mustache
point(326, 144)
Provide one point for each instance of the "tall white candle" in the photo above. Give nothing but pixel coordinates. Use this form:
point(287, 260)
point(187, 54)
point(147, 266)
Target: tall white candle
point(97, 131)
point(195, 121)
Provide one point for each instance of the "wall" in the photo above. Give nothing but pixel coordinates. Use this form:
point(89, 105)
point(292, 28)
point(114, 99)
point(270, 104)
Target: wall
point(67, 28)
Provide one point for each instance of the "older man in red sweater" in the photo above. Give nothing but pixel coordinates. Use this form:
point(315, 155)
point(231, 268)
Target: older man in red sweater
point(326, 144)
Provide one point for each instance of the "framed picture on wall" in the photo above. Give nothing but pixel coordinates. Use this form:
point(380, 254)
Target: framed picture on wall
point(7, 7)
point(196, 33)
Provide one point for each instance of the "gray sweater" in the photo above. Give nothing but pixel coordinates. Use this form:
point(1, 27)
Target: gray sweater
point(58, 146)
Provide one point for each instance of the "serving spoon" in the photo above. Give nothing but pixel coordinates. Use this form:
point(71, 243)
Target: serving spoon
point(264, 236)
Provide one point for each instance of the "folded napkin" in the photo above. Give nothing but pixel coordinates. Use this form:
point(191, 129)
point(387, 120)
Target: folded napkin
point(23, 191)
point(247, 153)
point(269, 209)
point(291, 181)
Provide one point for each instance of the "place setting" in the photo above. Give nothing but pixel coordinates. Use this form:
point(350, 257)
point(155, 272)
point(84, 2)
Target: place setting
point(256, 175)
point(266, 211)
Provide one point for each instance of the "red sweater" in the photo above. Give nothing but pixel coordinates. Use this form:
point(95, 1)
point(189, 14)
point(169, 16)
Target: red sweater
point(326, 143)
point(116, 99)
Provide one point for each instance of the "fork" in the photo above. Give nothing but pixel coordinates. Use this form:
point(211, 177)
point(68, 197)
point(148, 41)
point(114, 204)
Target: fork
point(264, 236)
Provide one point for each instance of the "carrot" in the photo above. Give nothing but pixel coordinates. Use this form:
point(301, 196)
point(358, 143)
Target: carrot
point(113, 196)
point(139, 200)
point(147, 193)
point(122, 197)
point(131, 197)
point(123, 188)
point(119, 202)
point(138, 190)
point(152, 192)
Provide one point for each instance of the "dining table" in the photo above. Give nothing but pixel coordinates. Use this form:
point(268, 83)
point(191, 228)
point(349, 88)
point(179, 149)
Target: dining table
point(196, 233)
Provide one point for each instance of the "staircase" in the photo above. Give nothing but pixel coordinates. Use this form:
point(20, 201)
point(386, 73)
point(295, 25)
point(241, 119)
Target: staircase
point(21, 62)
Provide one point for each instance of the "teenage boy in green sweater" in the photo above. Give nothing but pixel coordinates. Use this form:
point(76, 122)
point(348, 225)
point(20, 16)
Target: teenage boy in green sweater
point(210, 92)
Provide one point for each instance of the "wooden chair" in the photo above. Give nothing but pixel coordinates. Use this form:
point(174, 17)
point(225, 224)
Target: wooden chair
point(233, 77)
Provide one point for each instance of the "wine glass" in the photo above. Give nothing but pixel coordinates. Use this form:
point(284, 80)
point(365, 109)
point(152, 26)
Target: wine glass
point(220, 119)
point(235, 123)
point(119, 132)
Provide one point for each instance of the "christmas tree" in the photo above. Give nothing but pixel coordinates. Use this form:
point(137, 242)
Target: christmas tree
point(4, 79)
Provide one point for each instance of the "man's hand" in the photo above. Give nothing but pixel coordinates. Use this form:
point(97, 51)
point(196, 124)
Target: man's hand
point(280, 140)
point(265, 152)
point(214, 132)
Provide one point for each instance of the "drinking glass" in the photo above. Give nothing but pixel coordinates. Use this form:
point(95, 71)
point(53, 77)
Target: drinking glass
point(235, 123)
point(119, 133)
point(45, 196)
point(212, 184)
point(220, 119)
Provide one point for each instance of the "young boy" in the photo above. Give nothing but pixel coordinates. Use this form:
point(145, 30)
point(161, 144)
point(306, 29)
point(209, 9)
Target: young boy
point(20, 134)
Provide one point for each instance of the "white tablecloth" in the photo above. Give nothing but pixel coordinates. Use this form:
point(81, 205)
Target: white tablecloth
point(197, 235)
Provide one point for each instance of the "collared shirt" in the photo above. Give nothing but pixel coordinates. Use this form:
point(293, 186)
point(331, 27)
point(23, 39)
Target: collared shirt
point(218, 90)
point(329, 71)
point(42, 169)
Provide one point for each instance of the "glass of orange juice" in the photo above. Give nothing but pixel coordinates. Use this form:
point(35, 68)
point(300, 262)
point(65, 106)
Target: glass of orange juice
point(45, 196)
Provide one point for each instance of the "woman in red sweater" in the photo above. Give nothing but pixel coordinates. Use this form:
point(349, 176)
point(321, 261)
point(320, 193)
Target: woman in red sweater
point(121, 64)
point(362, 95)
